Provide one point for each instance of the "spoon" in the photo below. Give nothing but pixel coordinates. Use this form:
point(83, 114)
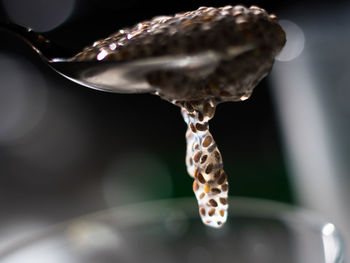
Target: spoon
point(195, 60)
point(131, 75)
point(116, 76)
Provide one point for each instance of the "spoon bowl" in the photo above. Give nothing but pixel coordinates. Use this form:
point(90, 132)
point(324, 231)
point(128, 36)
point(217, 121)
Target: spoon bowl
point(117, 76)
point(219, 53)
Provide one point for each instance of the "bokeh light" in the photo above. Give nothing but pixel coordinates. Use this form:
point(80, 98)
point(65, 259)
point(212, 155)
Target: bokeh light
point(295, 41)
point(40, 15)
point(87, 236)
point(23, 98)
point(59, 142)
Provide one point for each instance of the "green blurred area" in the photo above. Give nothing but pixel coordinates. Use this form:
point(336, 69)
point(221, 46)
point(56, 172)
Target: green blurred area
point(255, 176)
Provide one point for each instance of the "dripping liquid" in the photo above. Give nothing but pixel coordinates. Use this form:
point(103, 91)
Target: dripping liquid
point(204, 163)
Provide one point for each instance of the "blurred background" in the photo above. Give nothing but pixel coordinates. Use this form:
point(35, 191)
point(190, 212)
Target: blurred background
point(66, 150)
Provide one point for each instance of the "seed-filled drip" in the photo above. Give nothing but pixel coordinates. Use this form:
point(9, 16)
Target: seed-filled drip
point(204, 163)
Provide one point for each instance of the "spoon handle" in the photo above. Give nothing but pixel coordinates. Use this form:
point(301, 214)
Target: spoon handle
point(40, 44)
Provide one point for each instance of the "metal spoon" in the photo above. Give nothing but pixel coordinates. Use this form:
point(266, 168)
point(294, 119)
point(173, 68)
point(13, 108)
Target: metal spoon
point(202, 44)
point(113, 76)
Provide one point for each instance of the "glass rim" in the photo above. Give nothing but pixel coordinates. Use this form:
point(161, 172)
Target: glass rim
point(130, 215)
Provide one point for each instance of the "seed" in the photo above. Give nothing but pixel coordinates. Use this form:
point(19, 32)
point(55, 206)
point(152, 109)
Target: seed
point(222, 178)
point(217, 155)
point(207, 188)
point(188, 107)
point(217, 174)
point(208, 110)
point(219, 223)
point(195, 173)
point(211, 212)
point(223, 201)
point(207, 141)
point(225, 93)
point(201, 195)
point(197, 156)
point(212, 202)
point(204, 158)
point(200, 116)
point(222, 212)
point(209, 168)
point(196, 146)
point(201, 178)
point(195, 186)
point(201, 127)
point(212, 148)
point(224, 187)
point(216, 190)
point(191, 161)
point(193, 129)
point(202, 211)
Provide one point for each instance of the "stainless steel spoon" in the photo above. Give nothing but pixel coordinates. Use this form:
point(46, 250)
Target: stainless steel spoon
point(210, 52)
point(114, 76)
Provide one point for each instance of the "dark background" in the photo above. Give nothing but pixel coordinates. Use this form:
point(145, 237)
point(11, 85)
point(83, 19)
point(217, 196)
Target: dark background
point(70, 150)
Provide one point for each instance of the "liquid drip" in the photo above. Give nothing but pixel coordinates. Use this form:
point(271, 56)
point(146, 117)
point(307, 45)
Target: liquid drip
point(204, 163)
